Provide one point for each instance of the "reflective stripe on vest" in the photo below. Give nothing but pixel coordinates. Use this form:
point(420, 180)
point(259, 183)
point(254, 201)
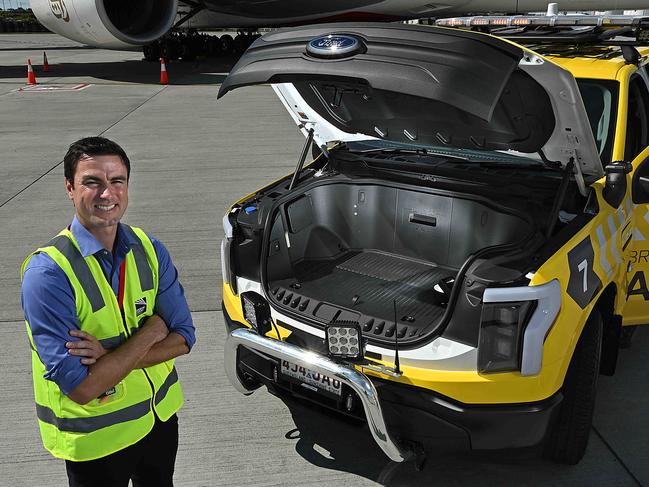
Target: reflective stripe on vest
point(113, 342)
point(94, 423)
point(171, 379)
point(81, 270)
point(143, 269)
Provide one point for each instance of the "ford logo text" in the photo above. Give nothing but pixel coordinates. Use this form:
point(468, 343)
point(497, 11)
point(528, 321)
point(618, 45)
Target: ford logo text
point(334, 46)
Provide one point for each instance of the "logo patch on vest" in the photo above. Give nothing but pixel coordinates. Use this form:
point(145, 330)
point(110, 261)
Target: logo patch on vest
point(140, 306)
point(113, 394)
point(106, 394)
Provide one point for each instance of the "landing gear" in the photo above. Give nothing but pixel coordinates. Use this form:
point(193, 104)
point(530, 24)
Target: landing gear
point(189, 44)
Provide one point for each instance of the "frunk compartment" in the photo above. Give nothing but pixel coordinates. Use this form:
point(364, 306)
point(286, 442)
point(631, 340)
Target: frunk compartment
point(343, 251)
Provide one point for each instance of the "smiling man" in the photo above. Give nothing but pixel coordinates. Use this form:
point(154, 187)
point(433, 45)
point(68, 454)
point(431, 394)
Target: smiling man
point(106, 316)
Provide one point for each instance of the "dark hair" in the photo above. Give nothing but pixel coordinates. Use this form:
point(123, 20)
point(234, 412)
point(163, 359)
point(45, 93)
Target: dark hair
point(92, 146)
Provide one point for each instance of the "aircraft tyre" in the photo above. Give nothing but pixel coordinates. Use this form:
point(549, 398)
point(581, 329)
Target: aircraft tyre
point(170, 49)
point(214, 46)
point(193, 45)
point(240, 43)
point(151, 51)
point(187, 52)
point(568, 438)
point(226, 44)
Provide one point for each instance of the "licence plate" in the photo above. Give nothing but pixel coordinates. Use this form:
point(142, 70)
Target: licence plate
point(310, 378)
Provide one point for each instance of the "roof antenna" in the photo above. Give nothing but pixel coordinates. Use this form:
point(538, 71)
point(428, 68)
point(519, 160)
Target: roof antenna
point(396, 340)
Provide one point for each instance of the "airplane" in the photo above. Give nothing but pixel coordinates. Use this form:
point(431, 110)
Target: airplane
point(145, 24)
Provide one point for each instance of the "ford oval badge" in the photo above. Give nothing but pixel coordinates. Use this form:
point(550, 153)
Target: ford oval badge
point(334, 46)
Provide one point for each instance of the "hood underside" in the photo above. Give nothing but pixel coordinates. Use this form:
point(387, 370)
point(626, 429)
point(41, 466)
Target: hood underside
point(422, 85)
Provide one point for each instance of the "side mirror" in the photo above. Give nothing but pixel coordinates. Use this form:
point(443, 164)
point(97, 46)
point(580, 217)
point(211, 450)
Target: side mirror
point(615, 187)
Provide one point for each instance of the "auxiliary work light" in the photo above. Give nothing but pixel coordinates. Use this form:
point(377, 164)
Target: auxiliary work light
point(256, 311)
point(344, 340)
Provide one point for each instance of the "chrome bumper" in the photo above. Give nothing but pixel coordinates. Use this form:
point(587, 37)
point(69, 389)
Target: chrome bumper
point(346, 374)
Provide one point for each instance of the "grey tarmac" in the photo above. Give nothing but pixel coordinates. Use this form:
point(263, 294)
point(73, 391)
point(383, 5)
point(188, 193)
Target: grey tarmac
point(192, 157)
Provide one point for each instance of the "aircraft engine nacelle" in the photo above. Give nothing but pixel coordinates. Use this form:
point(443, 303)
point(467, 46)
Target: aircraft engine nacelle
point(112, 24)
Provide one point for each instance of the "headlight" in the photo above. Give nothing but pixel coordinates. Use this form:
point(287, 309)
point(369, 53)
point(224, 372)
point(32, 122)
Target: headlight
point(513, 327)
point(344, 340)
point(256, 311)
point(501, 333)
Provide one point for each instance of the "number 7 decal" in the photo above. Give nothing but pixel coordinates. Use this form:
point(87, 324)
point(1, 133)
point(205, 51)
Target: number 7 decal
point(584, 283)
point(583, 267)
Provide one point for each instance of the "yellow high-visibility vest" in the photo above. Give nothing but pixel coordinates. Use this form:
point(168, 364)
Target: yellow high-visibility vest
point(126, 413)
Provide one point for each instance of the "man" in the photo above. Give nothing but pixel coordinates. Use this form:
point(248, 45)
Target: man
point(106, 316)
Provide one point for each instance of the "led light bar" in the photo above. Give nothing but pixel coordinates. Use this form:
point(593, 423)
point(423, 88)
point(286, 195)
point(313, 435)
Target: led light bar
point(344, 340)
point(606, 21)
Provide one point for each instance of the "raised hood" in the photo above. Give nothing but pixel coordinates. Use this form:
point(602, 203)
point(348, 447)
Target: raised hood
point(423, 85)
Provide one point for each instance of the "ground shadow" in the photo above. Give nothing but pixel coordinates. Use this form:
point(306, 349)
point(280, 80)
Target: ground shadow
point(327, 440)
point(204, 71)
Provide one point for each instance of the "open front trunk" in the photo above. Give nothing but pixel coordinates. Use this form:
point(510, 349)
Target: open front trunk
point(342, 251)
point(431, 136)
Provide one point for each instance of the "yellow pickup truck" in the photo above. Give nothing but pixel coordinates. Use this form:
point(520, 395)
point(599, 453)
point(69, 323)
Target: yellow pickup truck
point(468, 247)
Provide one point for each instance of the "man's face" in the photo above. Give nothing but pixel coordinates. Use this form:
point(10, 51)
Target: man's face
point(100, 191)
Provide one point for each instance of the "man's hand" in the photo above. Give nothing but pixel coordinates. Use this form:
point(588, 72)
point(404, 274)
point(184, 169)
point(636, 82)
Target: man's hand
point(87, 347)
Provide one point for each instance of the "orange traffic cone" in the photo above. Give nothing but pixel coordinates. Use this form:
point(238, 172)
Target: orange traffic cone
point(31, 77)
point(46, 65)
point(164, 80)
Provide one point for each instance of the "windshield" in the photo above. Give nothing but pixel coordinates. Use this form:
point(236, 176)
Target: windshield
point(600, 101)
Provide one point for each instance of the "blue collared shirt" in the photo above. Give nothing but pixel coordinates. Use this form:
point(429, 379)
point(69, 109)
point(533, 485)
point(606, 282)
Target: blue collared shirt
point(50, 308)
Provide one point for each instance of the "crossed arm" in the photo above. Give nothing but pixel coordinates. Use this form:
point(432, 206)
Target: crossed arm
point(150, 345)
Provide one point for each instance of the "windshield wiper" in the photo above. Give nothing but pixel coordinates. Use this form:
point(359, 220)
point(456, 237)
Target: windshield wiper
point(528, 164)
point(419, 151)
point(484, 161)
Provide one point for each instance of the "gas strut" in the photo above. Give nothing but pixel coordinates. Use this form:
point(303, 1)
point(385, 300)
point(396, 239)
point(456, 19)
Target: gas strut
point(300, 163)
point(560, 196)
